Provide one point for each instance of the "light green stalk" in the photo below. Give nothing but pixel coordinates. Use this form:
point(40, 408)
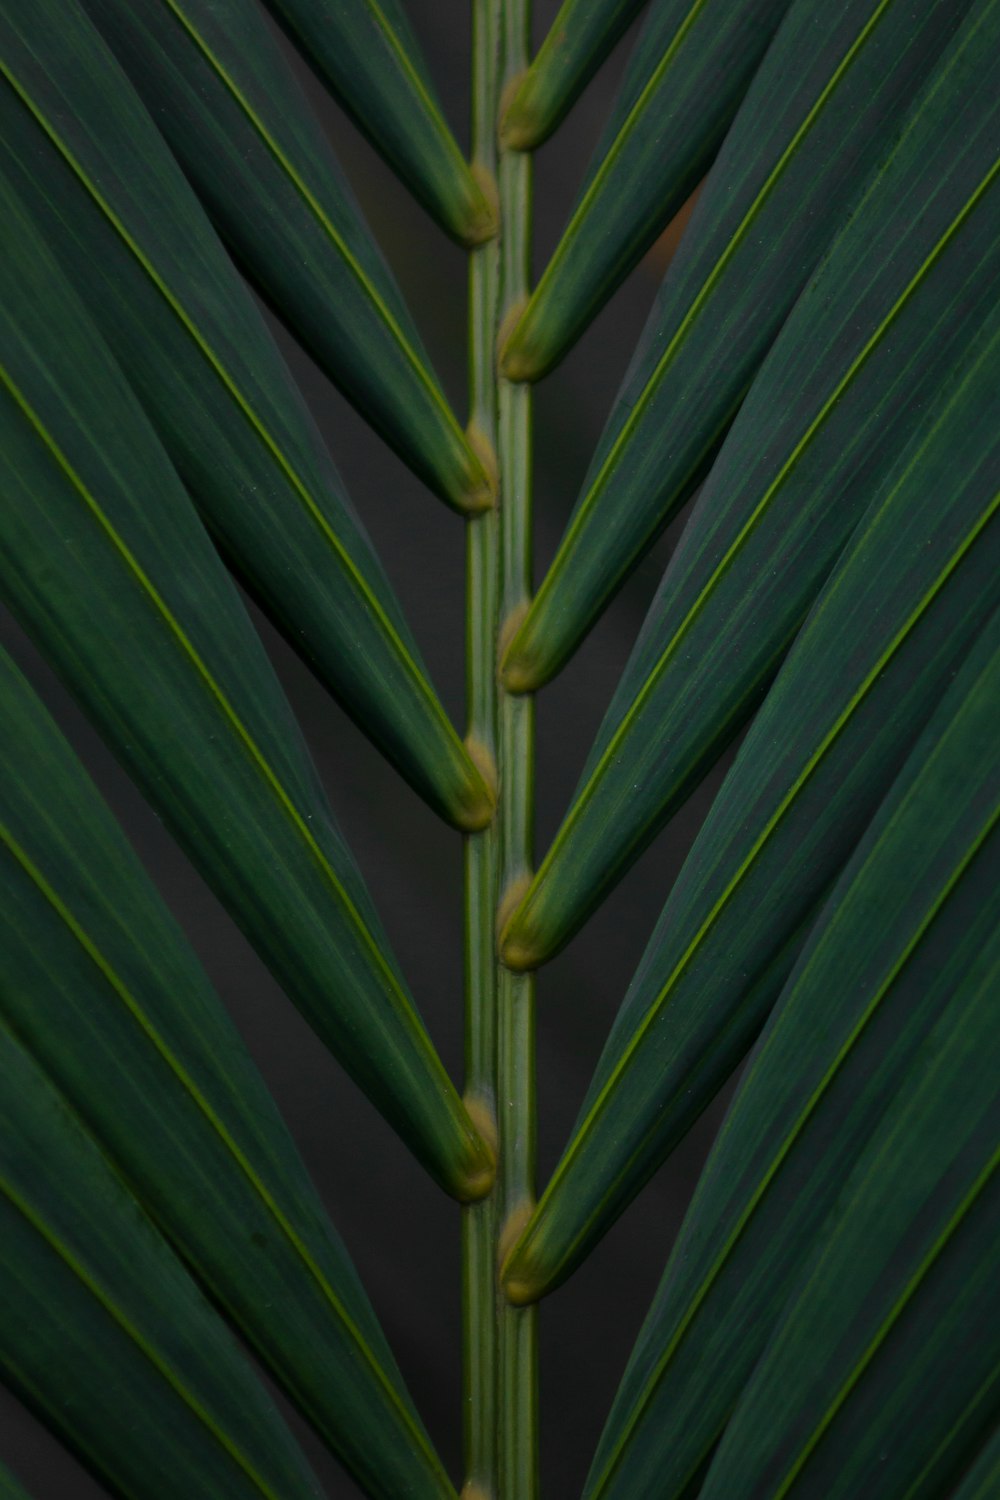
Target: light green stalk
point(479, 1221)
point(500, 1381)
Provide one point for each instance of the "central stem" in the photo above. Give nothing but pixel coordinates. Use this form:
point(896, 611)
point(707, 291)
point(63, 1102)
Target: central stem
point(500, 1390)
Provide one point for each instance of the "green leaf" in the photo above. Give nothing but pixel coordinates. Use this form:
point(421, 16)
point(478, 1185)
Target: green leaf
point(825, 107)
point(226, 101)
point(578, 41)
point(103, 1332)
point(881, 1375)
point(373, 69)
point(691, 67)
point(98, 984)
point(983, 1480)
point(132, 237)
point(890, 312)
point(900, 938)
point(104, 560)
point(874, 656)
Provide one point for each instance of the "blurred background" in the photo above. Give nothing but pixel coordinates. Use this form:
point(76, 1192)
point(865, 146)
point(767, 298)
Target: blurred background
point(402, 1232)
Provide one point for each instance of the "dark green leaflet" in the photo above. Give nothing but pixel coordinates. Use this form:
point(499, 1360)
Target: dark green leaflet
point(98, 984)
point(823, 110)
point(889, 312)
point(9, 1487)
point(215, 82)
point(133, 238)
point(579, 39)
point(105, 562)
point(692, 64)
point(103, 1332)
point(866, 671)
point(982, 1482)
point(901, 1284)
point(372, 68)
point(902, 934)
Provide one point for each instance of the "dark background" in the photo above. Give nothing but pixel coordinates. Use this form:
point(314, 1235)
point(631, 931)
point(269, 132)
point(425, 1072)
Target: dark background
point(401, 1230)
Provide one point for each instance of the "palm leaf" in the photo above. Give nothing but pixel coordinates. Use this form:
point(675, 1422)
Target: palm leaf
point(99, 986)
point(890, 312)
point(901, 937)
point(133, 239)
point(825, 355)
point(691, 67)
point(865, 673)
point(106, 564)
point(104, 1334)
point(823, 110)
point(901, 1285)
point(372, 66)
point(579, 39)
point(214, 80)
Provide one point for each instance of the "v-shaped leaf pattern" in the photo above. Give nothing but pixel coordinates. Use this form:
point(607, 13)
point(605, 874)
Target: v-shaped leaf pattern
point(131, 236)
point(105, 562)
point(99, 986)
